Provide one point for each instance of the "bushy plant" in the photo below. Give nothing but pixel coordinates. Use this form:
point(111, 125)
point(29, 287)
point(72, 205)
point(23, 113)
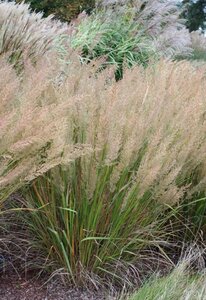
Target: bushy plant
point(101, 163)
point(91, 234)
point(126, 33)
point(126, 155)
point(117, 39)
point(160, 19)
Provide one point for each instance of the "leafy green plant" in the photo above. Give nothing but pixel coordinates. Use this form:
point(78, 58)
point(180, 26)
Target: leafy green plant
point(161, 20)
point(117, 39)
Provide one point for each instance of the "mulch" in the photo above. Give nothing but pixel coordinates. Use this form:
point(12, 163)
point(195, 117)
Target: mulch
point(15, 288)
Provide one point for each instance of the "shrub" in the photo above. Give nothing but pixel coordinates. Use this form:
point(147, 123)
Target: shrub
point(129, 151)
point(23, 31)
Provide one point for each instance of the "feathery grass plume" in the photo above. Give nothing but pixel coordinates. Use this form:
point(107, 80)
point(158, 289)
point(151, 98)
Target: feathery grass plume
point(140, 142)
point(24, 31)
point(160, 20)
point(33, 123)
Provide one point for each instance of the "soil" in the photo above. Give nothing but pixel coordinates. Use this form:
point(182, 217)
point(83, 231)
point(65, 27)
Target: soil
point(14, 288)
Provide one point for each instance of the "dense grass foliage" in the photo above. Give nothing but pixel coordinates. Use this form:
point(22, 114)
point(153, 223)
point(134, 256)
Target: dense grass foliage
point(91, 234)
point(125, 34)
point(160, 19)
point(180, 284)
point(121, 42)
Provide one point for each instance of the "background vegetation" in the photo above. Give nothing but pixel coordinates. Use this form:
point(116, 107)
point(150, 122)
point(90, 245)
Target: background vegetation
point(195, 14)
point(66, 10)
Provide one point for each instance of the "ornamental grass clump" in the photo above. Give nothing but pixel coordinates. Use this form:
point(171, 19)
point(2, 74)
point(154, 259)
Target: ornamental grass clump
point(23, 31)
point(131, 150)
point(116, 38)
point(128, 33)
point(159, 19)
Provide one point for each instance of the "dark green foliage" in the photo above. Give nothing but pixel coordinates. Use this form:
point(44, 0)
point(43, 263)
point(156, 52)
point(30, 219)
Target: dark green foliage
point(65, 10)
point(195, 13)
